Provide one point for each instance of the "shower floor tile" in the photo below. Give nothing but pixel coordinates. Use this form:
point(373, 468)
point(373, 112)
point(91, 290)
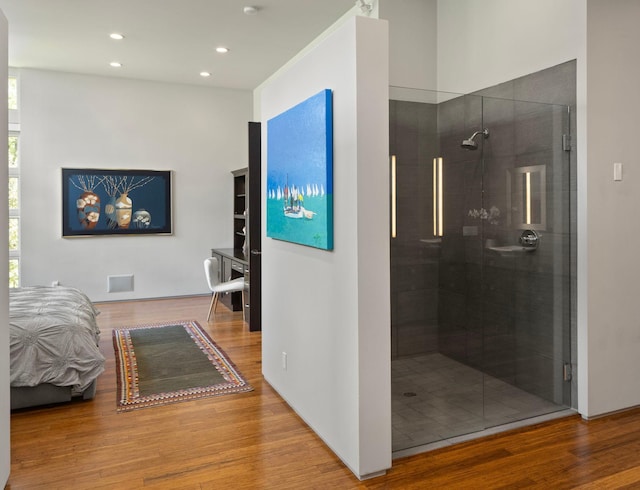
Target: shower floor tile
point(434, 397)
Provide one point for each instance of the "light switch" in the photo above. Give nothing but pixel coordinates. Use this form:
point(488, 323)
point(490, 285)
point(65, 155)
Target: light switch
point(617, 171)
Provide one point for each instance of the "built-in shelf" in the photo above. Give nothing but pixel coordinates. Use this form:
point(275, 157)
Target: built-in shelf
point(511, 250)
point(240, 204)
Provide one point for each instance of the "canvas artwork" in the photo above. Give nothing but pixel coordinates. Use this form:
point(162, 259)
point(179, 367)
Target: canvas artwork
point(115, 202)
point(300, 173)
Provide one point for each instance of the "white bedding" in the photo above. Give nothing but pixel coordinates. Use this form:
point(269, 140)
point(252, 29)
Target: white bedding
point(54, 337)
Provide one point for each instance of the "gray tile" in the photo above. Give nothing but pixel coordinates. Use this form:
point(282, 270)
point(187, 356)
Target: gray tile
point(452, 399)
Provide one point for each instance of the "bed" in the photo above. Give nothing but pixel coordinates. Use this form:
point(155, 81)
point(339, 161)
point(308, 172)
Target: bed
point(54, 349)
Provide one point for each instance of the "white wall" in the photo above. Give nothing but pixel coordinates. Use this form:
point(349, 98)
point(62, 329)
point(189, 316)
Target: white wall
point(86, 121)
point(611, 300)
point(257, 92)
point(5, 432)
point(329, 310)
point(483, 43)
point(413, 34)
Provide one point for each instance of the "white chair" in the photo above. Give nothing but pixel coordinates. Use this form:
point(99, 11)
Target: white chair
point(211, 271)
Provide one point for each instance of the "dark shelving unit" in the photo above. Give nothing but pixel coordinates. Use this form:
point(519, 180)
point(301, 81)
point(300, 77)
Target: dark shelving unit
point(240, 208)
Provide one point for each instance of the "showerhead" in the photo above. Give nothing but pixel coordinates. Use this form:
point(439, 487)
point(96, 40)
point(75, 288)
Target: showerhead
point(470, 143)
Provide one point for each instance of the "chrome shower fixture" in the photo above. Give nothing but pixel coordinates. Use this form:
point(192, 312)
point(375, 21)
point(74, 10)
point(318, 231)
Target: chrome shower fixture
point(470, 143)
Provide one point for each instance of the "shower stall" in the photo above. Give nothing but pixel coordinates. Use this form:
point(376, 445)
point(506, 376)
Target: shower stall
point(482, 257)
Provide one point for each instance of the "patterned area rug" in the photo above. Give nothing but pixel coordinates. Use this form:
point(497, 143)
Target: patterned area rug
point(171, 362)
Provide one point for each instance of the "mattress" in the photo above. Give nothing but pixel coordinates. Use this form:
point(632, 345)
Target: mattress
point(53, 338)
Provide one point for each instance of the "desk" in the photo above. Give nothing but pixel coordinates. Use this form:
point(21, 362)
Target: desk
point(233, 264)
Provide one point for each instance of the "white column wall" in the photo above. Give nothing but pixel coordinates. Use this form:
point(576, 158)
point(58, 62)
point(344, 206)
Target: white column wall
point(611, 299)
point(5, 411)
point(413, 35)
point(70, 120)
point(329, 310)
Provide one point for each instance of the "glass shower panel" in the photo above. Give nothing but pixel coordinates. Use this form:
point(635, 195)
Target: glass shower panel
point(460, 329)
point(435, 262)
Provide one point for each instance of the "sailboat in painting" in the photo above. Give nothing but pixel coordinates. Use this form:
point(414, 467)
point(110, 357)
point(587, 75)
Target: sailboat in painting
point(293, 203)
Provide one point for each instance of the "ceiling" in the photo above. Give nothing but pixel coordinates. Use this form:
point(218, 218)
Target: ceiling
point(166, 40)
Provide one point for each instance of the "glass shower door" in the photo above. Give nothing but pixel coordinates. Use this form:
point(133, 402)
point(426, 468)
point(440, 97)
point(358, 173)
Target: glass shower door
point(526, 303)
point(480, 263)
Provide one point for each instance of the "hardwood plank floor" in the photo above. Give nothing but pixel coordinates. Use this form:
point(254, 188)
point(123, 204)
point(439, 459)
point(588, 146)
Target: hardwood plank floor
point(254, 441)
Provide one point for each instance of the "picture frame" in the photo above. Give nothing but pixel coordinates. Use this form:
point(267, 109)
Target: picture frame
point(299, 194)
point(99, 202)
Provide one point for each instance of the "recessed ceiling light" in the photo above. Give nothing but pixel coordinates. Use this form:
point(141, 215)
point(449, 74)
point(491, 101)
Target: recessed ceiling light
point(115, 64)
point(117, 36)
point(205, 74)
point(222, 49)
point(250, 10)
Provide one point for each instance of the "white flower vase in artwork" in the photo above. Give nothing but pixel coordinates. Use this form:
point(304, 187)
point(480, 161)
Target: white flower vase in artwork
point(123, 211)
point(141, 219)
point(88, 206)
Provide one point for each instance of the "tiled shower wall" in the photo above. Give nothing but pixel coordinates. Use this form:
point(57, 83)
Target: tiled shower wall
point(501, 313)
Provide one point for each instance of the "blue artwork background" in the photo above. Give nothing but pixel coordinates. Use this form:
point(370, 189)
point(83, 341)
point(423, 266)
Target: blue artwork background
point(154, 197)
point(300, 158)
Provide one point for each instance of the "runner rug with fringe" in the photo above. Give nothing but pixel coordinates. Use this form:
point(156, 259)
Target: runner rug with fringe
point(171, 362)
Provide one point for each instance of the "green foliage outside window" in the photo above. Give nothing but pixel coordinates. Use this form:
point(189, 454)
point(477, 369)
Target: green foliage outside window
point(14, 234)
point(13, 193)
point(13, 151)
point(14, 273)
point(13, 93)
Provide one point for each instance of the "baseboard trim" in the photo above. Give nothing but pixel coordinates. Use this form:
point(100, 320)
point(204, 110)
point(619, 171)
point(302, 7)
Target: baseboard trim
point(608, 414)
point(371, 475)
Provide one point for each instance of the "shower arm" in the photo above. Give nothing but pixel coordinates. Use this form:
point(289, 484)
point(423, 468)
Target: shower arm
point(484, 132)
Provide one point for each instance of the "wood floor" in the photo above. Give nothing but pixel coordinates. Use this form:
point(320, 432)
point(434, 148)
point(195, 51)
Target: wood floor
point(254, 441)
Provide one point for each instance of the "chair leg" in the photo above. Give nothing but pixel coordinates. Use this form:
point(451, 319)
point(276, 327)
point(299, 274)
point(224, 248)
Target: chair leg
point(215, 304)
point(211, 305)
point(244, 302)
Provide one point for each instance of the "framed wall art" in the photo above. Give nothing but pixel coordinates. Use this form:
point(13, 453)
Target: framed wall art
point(300, 173)
point(115, 202)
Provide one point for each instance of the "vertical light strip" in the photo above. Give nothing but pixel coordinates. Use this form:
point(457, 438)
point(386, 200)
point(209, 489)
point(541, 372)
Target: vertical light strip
point(393, 197)
point(435, 197)
point(440, 199)
point(527, 197)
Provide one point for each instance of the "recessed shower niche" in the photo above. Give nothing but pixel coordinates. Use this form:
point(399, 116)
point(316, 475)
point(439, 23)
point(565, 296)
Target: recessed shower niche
point(482, 262)
point(526, 190)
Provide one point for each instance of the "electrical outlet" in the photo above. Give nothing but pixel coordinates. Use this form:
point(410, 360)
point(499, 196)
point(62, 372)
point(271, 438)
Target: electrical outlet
point(284, 361)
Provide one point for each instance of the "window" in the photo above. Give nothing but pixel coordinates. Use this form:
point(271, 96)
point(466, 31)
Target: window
point(14, 185)
point(14, 210)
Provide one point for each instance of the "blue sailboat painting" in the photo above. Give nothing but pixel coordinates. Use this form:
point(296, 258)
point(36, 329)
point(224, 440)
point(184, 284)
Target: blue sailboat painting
point(300, 173)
